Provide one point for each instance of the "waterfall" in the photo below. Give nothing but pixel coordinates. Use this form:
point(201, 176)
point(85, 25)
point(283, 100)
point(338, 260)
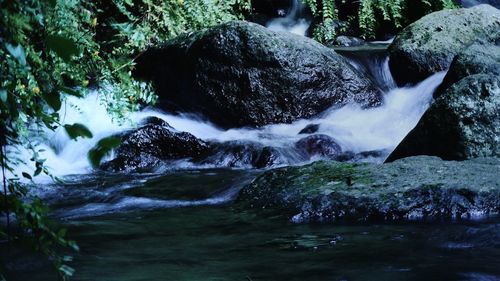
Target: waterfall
point(294, 21)
point(355, 129)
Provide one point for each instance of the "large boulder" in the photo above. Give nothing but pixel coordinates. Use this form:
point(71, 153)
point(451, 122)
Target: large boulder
point(462, 123)
point(476, 59)
point(430, 44)
point(242, 74)
point(412, 188)
point(152, 144)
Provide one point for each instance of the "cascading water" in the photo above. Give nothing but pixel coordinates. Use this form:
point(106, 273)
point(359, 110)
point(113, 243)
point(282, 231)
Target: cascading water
point(294, 21)
point(354, 129)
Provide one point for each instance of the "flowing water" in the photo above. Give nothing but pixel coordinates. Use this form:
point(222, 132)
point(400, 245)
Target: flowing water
point(181, 222)
point(295, 20)
point(128, 230)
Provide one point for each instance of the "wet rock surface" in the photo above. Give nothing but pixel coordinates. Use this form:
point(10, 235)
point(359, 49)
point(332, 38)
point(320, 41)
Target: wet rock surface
point(318, 145)
point(462, 123)
point(146, 147)
point(413, 188)
point(476, 59)
point(242, 74)
point(430, 44)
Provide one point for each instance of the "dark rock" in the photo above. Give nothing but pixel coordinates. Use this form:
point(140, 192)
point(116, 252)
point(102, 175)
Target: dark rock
point(242, 74)
point(347, 41)
point(241, 154)
point(148, 146)
point(412, 188)
point(430, 44)
point(247, 154)
point(309, 129)
point(269, 157)
point(462, 123)
point(152, 120)
point(319, 145)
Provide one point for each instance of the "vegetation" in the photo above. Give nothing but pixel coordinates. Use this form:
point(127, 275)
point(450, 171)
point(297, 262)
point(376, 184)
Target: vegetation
point(369, 18)
point(51, 49)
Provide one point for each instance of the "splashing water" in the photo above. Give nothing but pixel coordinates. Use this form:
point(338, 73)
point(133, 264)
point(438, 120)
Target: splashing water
point(354, 129)
point(293, 22)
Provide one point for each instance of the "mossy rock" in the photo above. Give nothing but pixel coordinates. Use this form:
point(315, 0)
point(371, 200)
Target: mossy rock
point(462, 123)
point(430, 44)
point(412, 188)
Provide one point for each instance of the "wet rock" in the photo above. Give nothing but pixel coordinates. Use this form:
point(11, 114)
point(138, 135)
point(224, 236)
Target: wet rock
point(152, 120)
point(412, 188)
point(347, 41)
point(242, 154)
point(152, 144)
point(309, 129)
point(462, 123)
point(270, 157)
point(319, 145)
point(247, 154)
point(430, 44)
point(242, 74)
point(476, 59)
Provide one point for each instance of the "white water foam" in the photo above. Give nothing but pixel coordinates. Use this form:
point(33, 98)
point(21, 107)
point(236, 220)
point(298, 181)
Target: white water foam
point(355, 129)
point(292, 22)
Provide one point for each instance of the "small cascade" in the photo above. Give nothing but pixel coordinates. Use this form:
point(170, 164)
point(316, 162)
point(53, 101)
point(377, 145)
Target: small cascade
point(295, 20)
point(353, 128)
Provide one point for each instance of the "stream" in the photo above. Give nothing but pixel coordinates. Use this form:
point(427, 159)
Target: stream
point(181, 222)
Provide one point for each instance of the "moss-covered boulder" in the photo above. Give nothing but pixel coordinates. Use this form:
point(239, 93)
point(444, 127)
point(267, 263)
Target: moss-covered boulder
point(412, 188)
point(242, 74)
point(476, 59)
point(462, 123)
point(430, 44)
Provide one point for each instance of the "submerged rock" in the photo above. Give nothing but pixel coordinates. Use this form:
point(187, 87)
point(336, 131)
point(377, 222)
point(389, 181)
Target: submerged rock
point(347, 41)
point(241, 154)
point(309, 129)
point(319, 145)
point(412, 188)
point(148, 146)
point(242, 74)
point(248, 154)
point(462, 123)
point(430, 44)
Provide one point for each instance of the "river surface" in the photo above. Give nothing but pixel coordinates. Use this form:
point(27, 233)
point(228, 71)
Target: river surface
point(185, 226)
point(182, 221)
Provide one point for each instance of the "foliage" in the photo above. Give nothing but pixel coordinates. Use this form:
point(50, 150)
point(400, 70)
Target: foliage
point(369, 16)
point(50, 49)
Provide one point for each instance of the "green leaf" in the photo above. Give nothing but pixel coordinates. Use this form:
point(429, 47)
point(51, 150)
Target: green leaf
point(62, 46)
point(70, 91)
point(102, 148)
point(77, 130)
point(38, 171)
point(3, 95)
point(66, 270)
point(26, 175)
point(53, 100)
point(17, 52)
